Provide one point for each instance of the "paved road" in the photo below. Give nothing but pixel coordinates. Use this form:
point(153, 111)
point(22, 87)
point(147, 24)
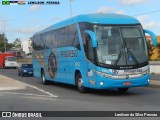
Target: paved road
point(60, 97)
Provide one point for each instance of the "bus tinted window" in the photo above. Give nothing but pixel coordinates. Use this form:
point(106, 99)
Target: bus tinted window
point(48, 40)
point(62, 37)
point(42, 41)
point(73, 36)
point(84, 26)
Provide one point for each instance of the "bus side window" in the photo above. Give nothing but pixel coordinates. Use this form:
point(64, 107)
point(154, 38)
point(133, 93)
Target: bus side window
point(89, 48)
point(73, 37)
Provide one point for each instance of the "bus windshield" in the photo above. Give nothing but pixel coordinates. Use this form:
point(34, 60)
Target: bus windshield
point(11, 58)
point(120, 45)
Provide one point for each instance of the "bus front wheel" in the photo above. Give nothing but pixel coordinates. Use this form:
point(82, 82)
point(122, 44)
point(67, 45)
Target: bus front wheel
point(123, 90)
point(44, 81)
point(80, 85)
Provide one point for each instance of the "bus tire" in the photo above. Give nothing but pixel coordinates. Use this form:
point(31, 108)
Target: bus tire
point(79, 83)
point(122, 90)
point(44, 81)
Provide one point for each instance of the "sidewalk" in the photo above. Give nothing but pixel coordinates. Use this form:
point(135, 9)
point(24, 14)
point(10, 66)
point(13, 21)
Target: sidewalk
point(7, 83)
point(155, 80)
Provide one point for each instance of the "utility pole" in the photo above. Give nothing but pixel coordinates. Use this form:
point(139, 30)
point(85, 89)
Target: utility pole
point(4, 23)
point(70, 1)
point(4, 35)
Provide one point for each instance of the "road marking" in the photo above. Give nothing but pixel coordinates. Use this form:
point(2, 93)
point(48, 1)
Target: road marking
point(11, 88)
point(18, 83)
point(41, 90)
point(15, 93)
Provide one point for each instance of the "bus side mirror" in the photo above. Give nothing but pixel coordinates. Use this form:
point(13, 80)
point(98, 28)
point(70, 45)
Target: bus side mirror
point(154, 39)
point(93, 38)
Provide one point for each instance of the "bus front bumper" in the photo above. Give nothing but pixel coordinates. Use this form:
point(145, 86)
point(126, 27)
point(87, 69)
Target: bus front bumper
point(108, 83)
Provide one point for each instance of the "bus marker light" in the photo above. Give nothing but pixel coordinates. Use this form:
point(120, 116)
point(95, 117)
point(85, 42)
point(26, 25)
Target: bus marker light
point(101, 83)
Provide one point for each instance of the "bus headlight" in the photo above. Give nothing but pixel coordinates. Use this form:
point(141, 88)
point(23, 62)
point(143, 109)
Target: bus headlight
point(101, 83)
point(24, 70)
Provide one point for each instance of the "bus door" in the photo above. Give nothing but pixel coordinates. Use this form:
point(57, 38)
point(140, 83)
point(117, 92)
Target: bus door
point(91, 60)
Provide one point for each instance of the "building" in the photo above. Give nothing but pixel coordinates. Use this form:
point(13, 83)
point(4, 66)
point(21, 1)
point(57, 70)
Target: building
point(30, 45)
point(25, 46)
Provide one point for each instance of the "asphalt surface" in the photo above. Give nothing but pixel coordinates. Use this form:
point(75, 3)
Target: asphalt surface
point(61, 97)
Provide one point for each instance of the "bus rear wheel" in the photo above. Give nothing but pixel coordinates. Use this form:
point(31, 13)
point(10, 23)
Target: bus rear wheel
point(80, 85)
point(123, 90)
point(44, 81)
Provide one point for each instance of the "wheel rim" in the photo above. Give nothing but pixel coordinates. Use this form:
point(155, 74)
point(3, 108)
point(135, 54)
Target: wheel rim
point(43, 78)
point(80, 83)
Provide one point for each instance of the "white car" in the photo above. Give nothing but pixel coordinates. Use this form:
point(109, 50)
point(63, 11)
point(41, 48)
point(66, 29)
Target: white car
point(10, 62)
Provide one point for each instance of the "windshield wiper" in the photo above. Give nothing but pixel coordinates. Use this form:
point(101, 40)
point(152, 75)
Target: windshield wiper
point(128, 51)
point(119, 56)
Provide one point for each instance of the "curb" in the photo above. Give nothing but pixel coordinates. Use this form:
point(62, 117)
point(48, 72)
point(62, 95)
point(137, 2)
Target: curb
point(154, 83)
point(154, 86)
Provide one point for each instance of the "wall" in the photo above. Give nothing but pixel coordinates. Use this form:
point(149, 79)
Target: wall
point(155, 67)
point(25, 46)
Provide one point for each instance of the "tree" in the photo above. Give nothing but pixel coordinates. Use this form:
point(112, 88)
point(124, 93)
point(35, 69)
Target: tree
point(17, 43)
point(3, 37)
point(158, 45)
point(150, 49)
point(2, 43)
point(2, 49)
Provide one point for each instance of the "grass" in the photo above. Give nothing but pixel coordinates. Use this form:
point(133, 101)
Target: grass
point(152, 73)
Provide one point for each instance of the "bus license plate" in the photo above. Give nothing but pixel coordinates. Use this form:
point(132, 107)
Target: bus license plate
point(127, 83)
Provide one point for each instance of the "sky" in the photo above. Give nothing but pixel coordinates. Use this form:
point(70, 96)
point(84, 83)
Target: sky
point(22, 21)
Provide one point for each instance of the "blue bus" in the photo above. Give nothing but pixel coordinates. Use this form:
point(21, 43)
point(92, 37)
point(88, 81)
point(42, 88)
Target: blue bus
point(99, 51)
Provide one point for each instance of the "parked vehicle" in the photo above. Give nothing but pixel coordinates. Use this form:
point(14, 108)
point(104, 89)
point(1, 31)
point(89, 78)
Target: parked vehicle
point(7, 60)
point(25, 70)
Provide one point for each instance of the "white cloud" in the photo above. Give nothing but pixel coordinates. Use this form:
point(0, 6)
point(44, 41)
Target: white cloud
point(147, 22)
point(107, 9)
point(151, 24)
point(31, 30)
point(35, 7)
point(120, 12)
point(132, 2)
point(143, 18)
point(56, 19)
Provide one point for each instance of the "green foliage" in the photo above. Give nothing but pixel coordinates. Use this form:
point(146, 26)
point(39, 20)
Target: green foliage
point(2, 43)
point(150, 49)
point(158, 45)
point(18, 46)
point(2, 46)
point(3, 38)
point(152, 73)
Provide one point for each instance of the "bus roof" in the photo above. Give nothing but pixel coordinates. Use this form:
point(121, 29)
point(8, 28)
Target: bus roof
point(99, 18)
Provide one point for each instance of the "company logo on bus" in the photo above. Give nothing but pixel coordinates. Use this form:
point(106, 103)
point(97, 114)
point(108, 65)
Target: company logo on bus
point(52, 65)
point(114, 72)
